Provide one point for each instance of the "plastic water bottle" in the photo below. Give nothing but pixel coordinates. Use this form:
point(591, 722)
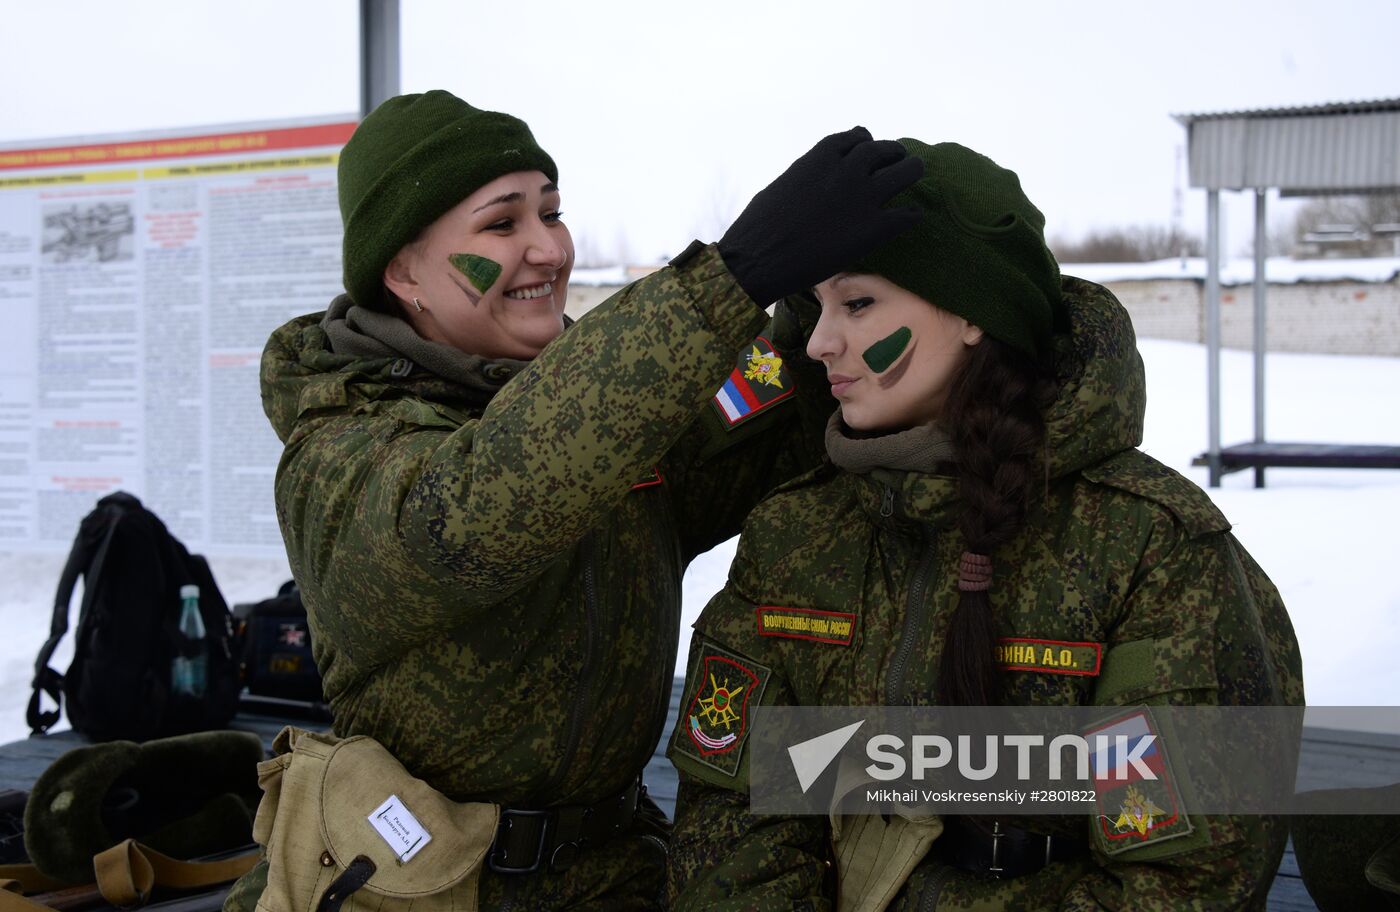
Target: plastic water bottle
point(189, 673)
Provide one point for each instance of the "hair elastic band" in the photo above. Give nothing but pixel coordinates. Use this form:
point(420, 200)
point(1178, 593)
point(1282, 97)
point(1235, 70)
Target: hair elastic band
point(974, 572)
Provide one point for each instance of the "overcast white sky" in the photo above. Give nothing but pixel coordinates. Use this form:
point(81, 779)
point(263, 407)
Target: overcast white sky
point(666, 117)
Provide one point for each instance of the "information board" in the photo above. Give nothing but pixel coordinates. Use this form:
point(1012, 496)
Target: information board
point(139, 279)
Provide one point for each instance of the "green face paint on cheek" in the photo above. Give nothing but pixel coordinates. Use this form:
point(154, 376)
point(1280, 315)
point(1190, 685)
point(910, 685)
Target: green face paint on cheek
point(887, 351)
point(481, 271)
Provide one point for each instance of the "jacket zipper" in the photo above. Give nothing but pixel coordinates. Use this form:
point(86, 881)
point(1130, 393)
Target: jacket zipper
point(585, 683)
point(913, 618)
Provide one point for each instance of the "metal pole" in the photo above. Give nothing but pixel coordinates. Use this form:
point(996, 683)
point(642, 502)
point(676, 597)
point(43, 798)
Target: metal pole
point(1261, 288)
point(379, 52)
point(1213, 334)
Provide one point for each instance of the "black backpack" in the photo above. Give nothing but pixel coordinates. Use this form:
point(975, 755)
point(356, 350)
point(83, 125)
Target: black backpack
point(277, 660)
point(119, 684)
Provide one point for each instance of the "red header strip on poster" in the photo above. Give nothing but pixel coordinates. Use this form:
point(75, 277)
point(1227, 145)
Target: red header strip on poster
point(179, 147)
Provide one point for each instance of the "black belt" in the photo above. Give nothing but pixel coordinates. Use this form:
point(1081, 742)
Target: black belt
point(989, 846)
point(527, 841)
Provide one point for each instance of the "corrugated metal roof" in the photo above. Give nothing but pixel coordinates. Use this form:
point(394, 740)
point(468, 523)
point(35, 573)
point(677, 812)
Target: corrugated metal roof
point(1336, 107)
point(1349, 147)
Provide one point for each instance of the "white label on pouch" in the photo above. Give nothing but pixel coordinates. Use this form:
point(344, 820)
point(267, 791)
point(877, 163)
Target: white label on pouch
point(398, 827)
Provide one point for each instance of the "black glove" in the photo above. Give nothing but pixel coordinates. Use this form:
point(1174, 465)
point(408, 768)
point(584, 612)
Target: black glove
point(821, 215)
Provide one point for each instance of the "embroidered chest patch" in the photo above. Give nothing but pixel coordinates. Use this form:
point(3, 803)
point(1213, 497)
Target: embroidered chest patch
point(1053, 656)
point(807, 624)
point(757, 382)
point(1138, 800)
point(721, 691)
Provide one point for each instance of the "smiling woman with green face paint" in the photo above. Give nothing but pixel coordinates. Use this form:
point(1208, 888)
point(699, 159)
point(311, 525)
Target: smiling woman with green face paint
point(984, 532)
point(489, 510)
point(491, 275)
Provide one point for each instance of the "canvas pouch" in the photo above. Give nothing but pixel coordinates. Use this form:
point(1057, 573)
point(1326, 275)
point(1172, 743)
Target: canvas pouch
point(319, 793)
point(875, 854)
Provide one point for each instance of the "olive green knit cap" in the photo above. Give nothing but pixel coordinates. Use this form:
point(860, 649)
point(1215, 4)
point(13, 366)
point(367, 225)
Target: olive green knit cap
point(412, 159)
point(979, 251)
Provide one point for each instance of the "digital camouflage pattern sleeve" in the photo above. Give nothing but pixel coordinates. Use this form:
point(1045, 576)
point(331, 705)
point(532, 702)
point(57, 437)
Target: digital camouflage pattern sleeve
point(722, 857)
point(765, 425)
point(568, 437)
point(467, 516)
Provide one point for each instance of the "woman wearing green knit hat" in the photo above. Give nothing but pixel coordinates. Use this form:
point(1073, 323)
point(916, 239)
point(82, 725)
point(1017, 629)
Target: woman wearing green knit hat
point(489, 514)
point(983, 532)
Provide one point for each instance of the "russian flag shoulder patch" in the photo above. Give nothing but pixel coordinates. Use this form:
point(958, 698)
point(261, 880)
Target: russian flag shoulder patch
point(1137, 795)
point(757, 382)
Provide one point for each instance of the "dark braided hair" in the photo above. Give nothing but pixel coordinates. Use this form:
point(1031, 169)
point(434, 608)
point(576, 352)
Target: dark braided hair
point(995, 412)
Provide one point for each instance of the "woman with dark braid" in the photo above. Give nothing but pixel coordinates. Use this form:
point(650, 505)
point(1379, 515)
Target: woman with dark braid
point(983, 499)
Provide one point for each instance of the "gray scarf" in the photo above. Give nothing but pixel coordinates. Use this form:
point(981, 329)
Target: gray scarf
point(919, 449)
point(364, 333)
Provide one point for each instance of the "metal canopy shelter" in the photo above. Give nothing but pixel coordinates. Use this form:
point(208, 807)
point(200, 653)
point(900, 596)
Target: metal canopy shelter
point(1346, 148)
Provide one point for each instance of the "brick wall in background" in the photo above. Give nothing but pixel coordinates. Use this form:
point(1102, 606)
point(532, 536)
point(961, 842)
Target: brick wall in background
point(1340, 318)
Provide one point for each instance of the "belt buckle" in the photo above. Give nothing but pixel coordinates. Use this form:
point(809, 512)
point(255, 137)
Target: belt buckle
point(566, 853)
point(493, 860)
point(998, 870)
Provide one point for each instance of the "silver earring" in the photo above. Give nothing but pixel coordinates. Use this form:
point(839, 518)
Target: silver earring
point(417, 305)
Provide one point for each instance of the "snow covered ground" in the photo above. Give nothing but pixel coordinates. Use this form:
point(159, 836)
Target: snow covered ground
point(1327, 537)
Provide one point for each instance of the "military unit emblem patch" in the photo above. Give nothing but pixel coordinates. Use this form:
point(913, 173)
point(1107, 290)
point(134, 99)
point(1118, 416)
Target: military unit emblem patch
point(1053, 656)
point(765, 368)
point(715, 720)
point(757, 382)
point(1138, 801)
point(807, 624)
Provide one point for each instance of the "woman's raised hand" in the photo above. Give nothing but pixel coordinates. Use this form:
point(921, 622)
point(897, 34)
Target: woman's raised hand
point(821, 215)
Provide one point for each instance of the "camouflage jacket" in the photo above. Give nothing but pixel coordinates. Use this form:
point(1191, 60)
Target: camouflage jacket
point(1122, 555)
point(493, 581)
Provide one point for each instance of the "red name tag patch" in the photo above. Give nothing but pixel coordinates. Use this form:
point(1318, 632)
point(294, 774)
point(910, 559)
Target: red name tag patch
point(807, 624)
point(1053, 656)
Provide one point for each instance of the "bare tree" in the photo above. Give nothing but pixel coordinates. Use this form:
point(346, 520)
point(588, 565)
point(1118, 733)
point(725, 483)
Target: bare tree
point(1134, 244)
point(1358, 226)
point(587, 254)
point(622, 248)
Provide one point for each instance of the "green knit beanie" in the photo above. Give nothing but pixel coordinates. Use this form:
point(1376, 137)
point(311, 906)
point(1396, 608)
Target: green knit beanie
point(412, 159)
point(979, 251)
